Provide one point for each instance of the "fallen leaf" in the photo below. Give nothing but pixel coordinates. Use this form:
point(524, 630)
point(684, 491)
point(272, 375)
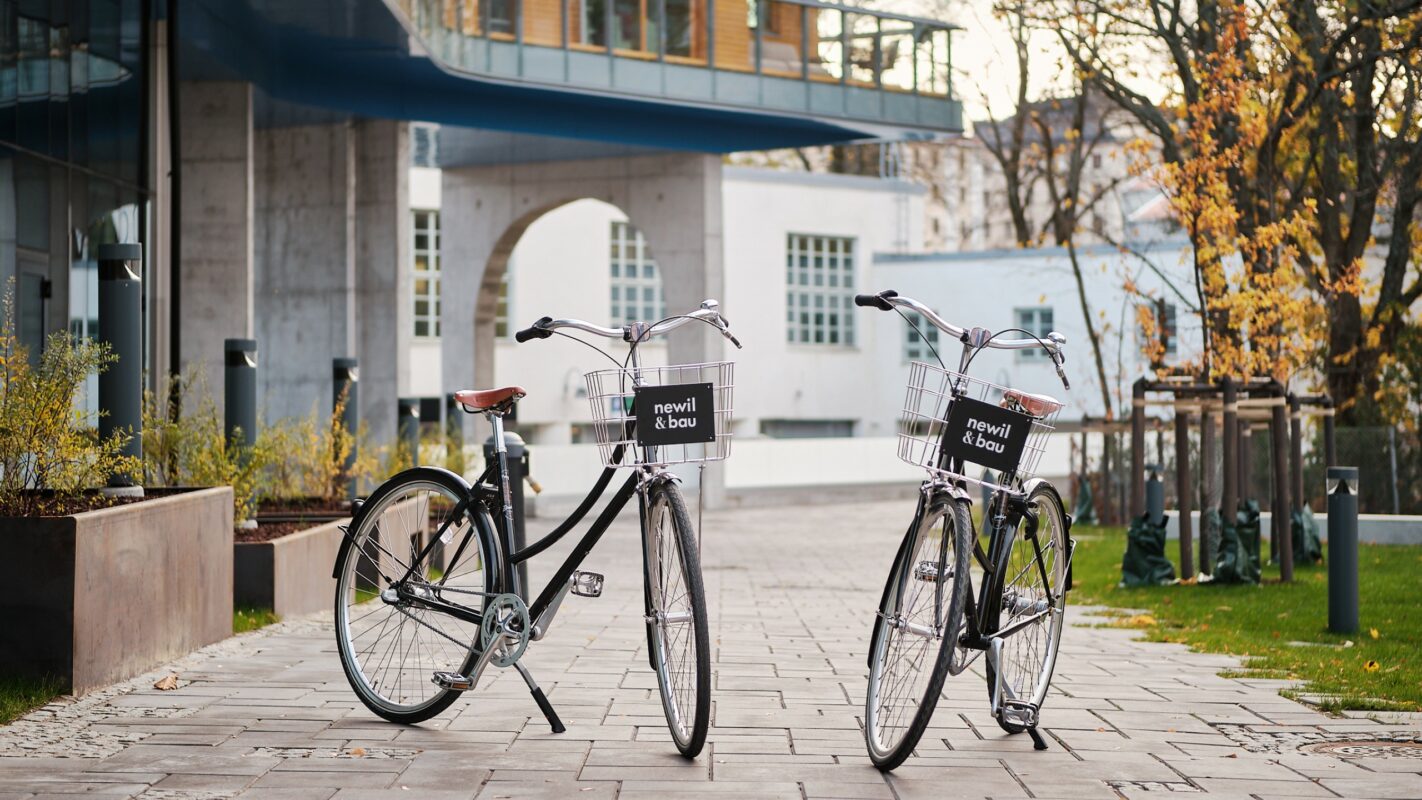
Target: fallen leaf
point(1232, 755)
point(357, 751)
point(1373, 632)
point(167, 683)
point(1370, 666)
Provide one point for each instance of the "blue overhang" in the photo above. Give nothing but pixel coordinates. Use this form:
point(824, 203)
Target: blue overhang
point(355, 57)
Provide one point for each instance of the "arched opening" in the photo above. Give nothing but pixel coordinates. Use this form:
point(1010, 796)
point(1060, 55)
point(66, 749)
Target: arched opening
point(583, 259)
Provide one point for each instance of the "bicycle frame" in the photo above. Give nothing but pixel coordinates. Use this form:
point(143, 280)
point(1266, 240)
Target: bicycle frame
point(493, 491)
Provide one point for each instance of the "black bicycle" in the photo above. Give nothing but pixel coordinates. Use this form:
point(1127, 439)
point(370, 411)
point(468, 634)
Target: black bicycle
point(930, 624)
point(427, 590)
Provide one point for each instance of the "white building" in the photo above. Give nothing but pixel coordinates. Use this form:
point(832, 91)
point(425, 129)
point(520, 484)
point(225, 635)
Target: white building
point(815, 368)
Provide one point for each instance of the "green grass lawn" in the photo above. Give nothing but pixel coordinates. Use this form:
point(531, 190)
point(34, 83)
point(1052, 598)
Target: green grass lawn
point(19, 696)
point(1282, 629)
point(251, 619)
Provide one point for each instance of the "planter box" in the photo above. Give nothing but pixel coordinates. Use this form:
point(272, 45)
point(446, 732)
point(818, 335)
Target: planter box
point(101, 596)
point(291, 574)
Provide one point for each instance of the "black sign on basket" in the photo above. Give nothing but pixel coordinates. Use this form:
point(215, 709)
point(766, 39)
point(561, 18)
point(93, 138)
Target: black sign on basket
point(985, 434)
point(682, 413)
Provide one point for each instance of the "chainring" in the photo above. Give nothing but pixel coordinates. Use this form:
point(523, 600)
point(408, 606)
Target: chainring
point(506, 626)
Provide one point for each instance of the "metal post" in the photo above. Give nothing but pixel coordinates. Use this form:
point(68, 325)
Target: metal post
point(1207, 486)
point(345, 395)
point(517, 459)
point(239, 391)
point(1246, 461)
point(1229, 498)
point(1183, 491)
point(1342, 488)
point(121, 328)
point(1281, 533)
point(407, 426)
point(1138, 392)
point(453, 430)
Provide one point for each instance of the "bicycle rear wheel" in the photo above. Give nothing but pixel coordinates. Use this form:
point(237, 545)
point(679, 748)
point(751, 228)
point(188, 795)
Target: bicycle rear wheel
point(1032, 589)
point(390, 637)
point(677, 629)
point(910, 653)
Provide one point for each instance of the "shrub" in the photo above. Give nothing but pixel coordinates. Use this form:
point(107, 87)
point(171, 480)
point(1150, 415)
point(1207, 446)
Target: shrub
point(50, 449)
point(311, 455)
point(185, 444)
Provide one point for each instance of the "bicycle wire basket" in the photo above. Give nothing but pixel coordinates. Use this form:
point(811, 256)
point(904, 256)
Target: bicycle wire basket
point(611, 392)
point(927, 401)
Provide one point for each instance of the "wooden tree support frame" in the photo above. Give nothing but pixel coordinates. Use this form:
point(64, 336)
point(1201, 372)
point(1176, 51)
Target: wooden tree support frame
point(1242, 405)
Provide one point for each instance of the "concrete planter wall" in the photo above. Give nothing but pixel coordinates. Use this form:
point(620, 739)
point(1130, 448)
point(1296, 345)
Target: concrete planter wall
point(102, 596)
point(291, 575)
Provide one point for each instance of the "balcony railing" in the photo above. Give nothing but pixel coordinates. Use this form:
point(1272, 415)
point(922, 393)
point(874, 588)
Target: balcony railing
point(791, 54)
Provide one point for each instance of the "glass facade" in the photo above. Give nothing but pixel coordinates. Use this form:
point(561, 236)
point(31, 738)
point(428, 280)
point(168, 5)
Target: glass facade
point(73, 116)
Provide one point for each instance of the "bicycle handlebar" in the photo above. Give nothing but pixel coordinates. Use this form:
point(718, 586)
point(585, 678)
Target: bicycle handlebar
point(1054, 343)
point(889, 299)
point(708, 312)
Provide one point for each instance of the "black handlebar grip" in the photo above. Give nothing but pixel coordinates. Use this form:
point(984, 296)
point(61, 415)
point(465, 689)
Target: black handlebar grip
point(878, 301)
point(535, 331)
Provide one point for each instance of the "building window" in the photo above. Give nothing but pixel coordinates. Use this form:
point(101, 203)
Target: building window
point(637, 294)
point(819, 299)
point(426, 273)
point(1037, 321)
point(1162, 316)
point(501, 311)
point(807, 428)
point(919, 345)
point(424, 144)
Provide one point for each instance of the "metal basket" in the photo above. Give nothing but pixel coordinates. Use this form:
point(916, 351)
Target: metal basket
point(929, 397)
point(610, 392)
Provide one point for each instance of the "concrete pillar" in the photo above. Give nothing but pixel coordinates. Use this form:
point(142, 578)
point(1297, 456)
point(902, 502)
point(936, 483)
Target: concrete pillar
point(217, 219)
point(305, 262)
point(382, 276)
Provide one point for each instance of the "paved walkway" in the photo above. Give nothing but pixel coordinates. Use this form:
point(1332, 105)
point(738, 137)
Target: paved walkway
point(269, 715)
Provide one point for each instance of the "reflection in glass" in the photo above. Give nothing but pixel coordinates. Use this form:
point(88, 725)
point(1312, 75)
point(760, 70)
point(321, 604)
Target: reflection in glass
point(627, 17)
point(829, 47)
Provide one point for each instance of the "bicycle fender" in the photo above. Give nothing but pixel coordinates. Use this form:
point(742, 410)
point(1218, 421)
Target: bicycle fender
point(348, 537)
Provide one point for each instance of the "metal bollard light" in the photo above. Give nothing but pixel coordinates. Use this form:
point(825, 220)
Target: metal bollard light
point(408, 427)
point(345, 387)
point(239, 390)
point(1342, 490)
point(121, 328)
point(517, 458)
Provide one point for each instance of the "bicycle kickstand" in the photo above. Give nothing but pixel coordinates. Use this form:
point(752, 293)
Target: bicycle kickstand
point(1038, 743)
point(541, 699)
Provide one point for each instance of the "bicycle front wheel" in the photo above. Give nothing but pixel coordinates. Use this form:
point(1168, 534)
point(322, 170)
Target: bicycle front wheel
point(404, 612)
point(917, 629)
point(676, 619)
point(1033, 604)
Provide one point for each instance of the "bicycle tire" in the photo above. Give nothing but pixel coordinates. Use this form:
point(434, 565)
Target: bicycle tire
point(1044, 500)
point(356, 590)
point(666, 630)
point(889, 754)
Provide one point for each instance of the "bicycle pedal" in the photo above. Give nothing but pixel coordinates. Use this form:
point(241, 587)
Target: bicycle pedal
point(1019, 712)
point(452, 680)
point(928, 572)
point(586, 584)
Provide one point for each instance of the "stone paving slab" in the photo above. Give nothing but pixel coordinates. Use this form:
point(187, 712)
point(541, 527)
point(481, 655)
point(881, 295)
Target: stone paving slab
point(792, 592)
